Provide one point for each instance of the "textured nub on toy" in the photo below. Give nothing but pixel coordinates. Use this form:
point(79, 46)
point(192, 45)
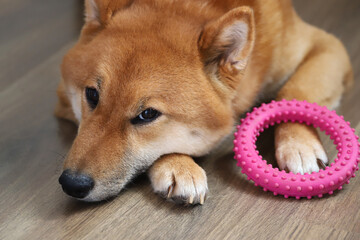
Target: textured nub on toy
point(289, 184)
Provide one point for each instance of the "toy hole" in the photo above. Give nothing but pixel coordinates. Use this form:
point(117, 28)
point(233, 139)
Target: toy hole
point(329, 146)
point(265, 144)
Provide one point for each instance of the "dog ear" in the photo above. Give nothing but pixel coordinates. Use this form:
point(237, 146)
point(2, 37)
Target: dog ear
point(101, 11)
point(91, 11)
point(226, 43)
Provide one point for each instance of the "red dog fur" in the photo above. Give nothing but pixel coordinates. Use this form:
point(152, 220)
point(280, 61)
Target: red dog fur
point(201, 63)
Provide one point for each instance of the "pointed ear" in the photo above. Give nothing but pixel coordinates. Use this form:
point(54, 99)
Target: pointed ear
point(101, 11)
point(91, 11)
point(228, 41)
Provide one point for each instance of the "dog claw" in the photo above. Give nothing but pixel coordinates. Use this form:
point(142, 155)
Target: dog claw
point(321, 164)
point(202, 199)
point(170, 191)
point(191, 199)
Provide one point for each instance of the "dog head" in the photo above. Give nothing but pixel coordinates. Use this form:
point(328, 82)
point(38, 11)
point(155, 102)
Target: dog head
point(143, 82)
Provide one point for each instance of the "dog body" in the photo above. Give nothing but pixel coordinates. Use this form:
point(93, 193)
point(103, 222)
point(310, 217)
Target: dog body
point(153, 82)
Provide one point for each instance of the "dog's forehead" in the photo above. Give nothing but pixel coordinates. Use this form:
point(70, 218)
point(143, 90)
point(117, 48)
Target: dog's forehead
point(134, 52)
point(151, 62)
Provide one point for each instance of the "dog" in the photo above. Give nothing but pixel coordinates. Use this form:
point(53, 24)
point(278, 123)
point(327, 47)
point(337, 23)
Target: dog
point(153, 83)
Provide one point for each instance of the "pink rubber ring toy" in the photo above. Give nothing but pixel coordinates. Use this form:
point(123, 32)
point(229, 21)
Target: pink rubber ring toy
point(290, 184)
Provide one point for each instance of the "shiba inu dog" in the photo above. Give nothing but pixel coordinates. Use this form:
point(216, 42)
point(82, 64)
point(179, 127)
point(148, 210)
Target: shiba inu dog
point(153, 83)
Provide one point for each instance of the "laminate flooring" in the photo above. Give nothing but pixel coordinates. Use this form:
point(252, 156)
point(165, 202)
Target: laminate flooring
point(34, 35)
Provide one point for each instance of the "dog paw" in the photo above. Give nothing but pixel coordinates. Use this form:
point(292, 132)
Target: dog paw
point(298, 149)
point(178, 178)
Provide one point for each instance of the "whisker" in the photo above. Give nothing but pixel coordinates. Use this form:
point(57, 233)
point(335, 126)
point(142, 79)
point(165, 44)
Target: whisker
point(66, 92)
point(60, 154)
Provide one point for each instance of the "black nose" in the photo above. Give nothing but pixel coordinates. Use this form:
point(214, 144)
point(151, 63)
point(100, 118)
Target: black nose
point(75, 184)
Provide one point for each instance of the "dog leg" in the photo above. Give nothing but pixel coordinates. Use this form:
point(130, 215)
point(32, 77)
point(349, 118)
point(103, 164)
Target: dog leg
point(179, 178)
point(322, 78)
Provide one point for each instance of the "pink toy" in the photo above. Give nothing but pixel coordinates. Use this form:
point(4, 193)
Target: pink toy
point(290, 184)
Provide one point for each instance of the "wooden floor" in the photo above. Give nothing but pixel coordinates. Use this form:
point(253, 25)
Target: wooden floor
point(34, 35)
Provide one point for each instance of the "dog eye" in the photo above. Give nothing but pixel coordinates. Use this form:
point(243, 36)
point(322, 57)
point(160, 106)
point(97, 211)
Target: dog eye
point(92, 97)
point(146, 116)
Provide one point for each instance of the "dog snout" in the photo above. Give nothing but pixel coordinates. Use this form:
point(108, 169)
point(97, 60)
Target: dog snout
point(75, 184)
